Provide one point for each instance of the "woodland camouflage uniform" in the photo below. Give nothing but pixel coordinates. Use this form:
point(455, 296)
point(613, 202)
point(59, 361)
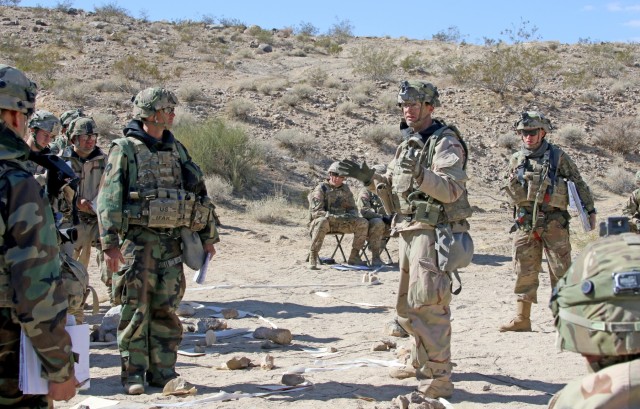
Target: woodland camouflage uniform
point(32, 297)
point(596, 307)
point(62, 140)
point(333, 209)
point(536, 185)
point(142, 211)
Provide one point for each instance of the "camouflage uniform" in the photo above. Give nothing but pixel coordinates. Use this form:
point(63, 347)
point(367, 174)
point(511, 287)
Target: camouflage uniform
point(371, 209)
point(536, 184)
point(32, 298)
point(144, 199)
point(62, 140)
point(439, 156)
point(596, 309)
point(632, 207)
point(333, 209)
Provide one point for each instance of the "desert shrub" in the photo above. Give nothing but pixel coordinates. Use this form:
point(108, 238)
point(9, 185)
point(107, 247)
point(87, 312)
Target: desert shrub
point(533, 67)
point(316, 76)
point(329, 45)
point(269, 86)
point(260, 34)
point(248, 84)
point(221, 149)
point(240, 109)
point(183, 116)
point(508, 141)
point(296, 142)
point(335, 83)
point(105, 85)
point(570, 135)
point(72, 90)
point(619, 181)
point(290, 99)
point(107, 125)
point(341, 31)
point(365, 88)
point(378, 135)
point(111, 12)
point(359, 98)
point(578, 78)
point(619, 87)
point(450, 35)
point(303, 91)
point(168, 47)
point(618, 135)
point(414, 63)
point(389, 104)
point(190, 93)
point(269, 209)
point(137, 69)
point(218, 188)
point(306, 29)
point(347, 107)
point(374, 63)
point(591, 97)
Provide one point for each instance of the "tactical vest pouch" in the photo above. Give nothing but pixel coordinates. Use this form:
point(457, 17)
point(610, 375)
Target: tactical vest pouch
point(516, 192)
point(427, 212)
point(536, 188)
point(199, 216)
point(560, 196)
point(164, 213)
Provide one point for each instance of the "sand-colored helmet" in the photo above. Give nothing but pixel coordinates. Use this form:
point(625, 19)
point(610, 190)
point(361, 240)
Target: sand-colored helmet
point(418, 91)
point(533, 120)
point(596, 304)
point(151, 100)
point(45, 120)
point(17, 92)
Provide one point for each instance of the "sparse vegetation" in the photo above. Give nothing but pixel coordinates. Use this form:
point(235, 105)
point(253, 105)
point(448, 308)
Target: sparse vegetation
point(269, 210)
point(619, 181)
point(508, 141)
point(378, 135)
point(218, 188)
point(618, 135)
point(297, 142)
point(111, 12)
point(374, 63)
point(570, 135)
point(240, 109)
point(316, 76)
point(341, 31)
point(346, 108)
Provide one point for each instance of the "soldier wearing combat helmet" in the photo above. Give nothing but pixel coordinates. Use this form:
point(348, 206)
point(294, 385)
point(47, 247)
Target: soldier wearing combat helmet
point(62, 140)
point(536, 185)
point(333, 209)
point(425, 187)
point(596, 307)
point(153, 195)
point(632, 207)
point(33, 300)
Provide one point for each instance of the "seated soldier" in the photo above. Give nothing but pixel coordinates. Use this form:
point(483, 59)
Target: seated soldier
point(371, 208)
point(632, 208)
point(333, 210)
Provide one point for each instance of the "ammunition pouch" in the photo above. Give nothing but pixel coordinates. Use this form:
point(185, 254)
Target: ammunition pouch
point(428, 212)
point(536, 188)
point(168, 208)
point(560, 196)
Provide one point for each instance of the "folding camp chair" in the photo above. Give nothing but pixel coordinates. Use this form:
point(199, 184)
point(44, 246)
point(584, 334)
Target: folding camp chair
point(339, 237)
point(385, 240)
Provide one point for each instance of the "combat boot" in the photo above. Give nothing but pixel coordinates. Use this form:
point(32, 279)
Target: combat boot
point(354, 258)
point(522, 321)
point(436, 388)
point(376, 261)
point(313, 260)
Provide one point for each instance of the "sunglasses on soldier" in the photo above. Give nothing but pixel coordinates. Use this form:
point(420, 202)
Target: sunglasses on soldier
point(528, 132)
point(168, 110)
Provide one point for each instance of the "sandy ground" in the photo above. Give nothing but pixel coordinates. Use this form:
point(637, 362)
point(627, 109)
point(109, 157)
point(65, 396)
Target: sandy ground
point(264, 269)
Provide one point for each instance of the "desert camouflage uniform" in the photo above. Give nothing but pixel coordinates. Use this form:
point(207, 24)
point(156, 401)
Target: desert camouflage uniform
point(151, 284)
point(371, 209)
point(333, 209)
point(32, 297)
point(551, 231)
point(424, 292)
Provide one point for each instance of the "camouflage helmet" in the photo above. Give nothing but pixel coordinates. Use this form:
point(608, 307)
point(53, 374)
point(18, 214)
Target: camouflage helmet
point(596, 305)
point(68, 116)
point(151, 100)
point(17, 92)
point(45, 120)
point(418, 91)
point(335, 168)
point(82, 126)
point(533, 120)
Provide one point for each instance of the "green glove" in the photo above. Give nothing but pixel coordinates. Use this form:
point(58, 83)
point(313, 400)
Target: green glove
point(352, 169)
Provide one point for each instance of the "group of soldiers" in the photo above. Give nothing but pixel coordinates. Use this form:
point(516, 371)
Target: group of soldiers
point(138, 206)
point(143, 201)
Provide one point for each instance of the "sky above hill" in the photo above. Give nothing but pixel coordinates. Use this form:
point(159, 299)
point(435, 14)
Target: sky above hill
point(567, 21)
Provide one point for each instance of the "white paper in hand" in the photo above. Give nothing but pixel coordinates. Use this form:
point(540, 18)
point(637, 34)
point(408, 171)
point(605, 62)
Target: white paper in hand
point(201, 274)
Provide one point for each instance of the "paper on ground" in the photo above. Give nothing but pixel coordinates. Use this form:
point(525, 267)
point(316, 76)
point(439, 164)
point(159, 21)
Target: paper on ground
point(341, 366)
point(225, 333)
point(224, 396)
point(96, 403)
point(325, 294)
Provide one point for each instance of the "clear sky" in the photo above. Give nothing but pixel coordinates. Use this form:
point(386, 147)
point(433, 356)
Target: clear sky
point(562, 20)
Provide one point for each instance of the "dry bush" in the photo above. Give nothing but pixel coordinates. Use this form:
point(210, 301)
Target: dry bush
point(269, 86)
point(296, 142)
point(105, 85)
point(247, 84)
point(619, 87)
point(358, 98)
point(618, 135)
point(190, 93)
point(183, 117)
point(378, 135)
point(218, 189)
point(619, 181)
point(509, 141)
point(316, 76)
point(570, 135)
point(269, 210)
point(70, 89)
point(365, 88)
point(240, 109)
point(591, 97)
point(111, 12)
point(389, 104)
point(303, 91)
point(374, 63)
point(289, 99)
point(107, 125)
point(335, 83)
point(347, 107)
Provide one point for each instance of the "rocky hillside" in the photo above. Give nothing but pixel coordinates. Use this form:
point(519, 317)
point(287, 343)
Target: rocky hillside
point(313, 99)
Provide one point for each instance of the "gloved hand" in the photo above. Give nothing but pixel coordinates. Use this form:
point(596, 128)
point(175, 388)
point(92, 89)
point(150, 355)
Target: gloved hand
point(409, 164)
point(353, 170)
point(387, 219)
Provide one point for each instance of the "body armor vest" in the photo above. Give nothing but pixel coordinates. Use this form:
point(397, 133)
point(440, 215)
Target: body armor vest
point(157, 198)
point(410, 201)
point(89, 171)
point(536, 180)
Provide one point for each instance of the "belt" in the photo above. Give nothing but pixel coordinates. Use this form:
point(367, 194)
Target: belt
point(171, 262)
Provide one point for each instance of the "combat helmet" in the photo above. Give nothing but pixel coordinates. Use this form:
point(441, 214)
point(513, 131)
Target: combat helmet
point(596, 305)
point(46, 121)
point(151, 100)
point(68, 116)
point(335, 168)
point(17, 92)
point(82, 126)
point(418, 91)
point(533, 120)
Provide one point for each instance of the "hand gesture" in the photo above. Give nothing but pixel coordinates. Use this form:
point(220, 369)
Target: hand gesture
point(354, 170)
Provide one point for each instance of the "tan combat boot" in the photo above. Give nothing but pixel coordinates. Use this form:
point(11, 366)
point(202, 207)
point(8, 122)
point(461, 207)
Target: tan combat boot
point(354, 258)
point(313, 260)
point(522, 321)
